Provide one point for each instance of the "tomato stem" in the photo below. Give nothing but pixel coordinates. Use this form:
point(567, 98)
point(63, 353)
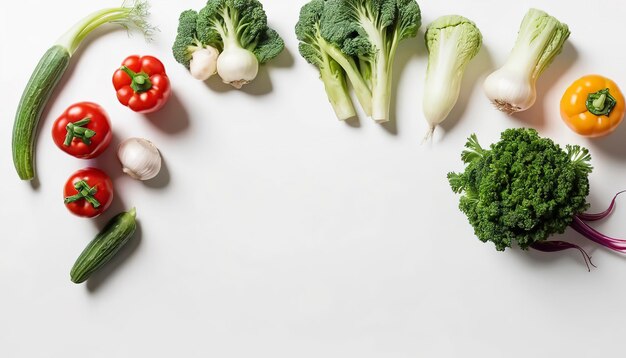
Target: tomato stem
point(78, 130)
point(84, 192)
point(601, 103)
point(140, 82)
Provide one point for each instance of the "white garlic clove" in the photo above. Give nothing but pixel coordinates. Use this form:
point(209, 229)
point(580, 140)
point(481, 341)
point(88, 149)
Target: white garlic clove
point(139, 158)
point(203, 63)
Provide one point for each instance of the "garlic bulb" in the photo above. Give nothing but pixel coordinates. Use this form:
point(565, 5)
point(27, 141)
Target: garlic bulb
point(203, 63)
point(140, 158)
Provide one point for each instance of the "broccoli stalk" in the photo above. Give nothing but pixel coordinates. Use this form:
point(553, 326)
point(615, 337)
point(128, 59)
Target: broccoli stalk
point(331, 62)
point(371, 30)
point(525, 189)
point(336, 87)
point(237, 28)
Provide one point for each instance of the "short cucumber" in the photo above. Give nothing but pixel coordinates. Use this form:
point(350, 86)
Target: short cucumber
point(40, 87)
point(104, 246)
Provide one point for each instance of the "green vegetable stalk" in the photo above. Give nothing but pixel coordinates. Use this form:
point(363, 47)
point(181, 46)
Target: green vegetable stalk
point(362, 36)
point(50, 70)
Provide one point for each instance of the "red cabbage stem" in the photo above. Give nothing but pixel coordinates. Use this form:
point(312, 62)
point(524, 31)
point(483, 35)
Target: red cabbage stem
point(553, 246)
point(594, 235)
point(602, 215)
point(579, 224)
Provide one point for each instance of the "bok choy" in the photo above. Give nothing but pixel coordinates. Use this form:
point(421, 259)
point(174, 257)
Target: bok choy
point(452, 41)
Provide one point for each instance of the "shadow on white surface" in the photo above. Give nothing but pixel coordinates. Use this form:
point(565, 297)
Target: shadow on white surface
point(35, 184)
point(354, 122)
point(116, 264)
point(538, 258)
point(535, 116)
point(284, 60)
point(162, 179)
point(173, 118)
point(612, 144)
point(108, 161)
point(117, 206)
point(262, 84)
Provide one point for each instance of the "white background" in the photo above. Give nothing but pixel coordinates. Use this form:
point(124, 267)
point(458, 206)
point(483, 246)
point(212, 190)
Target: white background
point(277, 231)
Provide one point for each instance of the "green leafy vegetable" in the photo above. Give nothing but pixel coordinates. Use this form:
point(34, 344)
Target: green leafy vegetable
point(522, 189)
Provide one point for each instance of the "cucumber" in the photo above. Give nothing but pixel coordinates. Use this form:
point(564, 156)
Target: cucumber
point(104, 246)
point(40, 87)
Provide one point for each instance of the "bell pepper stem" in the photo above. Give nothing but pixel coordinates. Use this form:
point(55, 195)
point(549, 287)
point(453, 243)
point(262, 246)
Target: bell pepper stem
point(84, 192)
point(140, 82)
point(601, 103)
point(78, 130)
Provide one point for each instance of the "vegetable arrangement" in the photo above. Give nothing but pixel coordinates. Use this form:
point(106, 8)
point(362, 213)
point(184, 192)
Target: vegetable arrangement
point(227, 37)
point(51, 68)
point(519, 191)
point(84, 130)
point(525, 189)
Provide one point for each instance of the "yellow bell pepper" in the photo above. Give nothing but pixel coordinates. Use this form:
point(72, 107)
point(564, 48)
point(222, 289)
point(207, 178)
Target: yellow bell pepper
point(593, 106)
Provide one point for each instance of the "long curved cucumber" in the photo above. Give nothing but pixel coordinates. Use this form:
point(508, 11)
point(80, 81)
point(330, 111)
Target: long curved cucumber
point(104, 246)
point(40, 87)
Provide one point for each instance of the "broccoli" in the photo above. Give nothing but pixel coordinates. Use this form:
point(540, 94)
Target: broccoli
point(332, 63)
point(524, 189)
point(237, 30)
point(371, 30)
point(186, 40)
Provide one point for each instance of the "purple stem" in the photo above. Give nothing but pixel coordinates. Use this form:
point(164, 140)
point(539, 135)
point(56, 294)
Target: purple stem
point(594, 235)
point(553, 246)
point(602, 215)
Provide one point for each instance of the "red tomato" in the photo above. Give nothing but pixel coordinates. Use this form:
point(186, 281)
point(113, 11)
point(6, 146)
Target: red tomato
point(142, 84)
point(83, 130)
point(88, 192)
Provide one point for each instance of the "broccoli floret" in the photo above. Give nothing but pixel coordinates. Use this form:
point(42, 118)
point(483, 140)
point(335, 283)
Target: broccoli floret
point(371, 31)
point(186, 40)
point(523, 189)
point(236, 28)
point(269, 46)
point(232, 22)
point(332, 63)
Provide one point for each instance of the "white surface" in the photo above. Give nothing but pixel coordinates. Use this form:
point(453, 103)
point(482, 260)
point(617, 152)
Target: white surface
point(277, 231)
